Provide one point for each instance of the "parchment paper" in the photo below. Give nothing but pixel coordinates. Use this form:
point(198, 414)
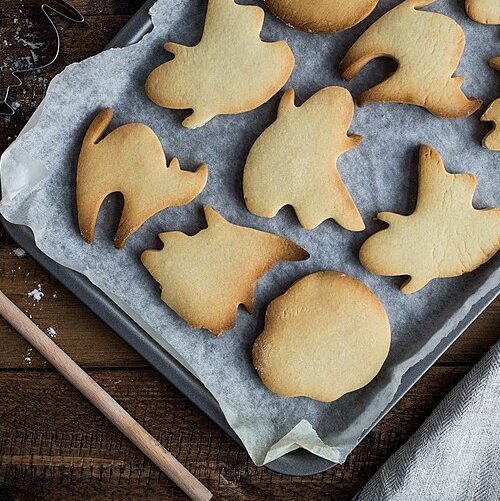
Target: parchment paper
point(38, 181)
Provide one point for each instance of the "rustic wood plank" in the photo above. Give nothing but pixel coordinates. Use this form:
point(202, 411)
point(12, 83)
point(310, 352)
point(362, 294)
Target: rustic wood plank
point(104, 402)
point(29, 41)
point(80, 333)
point(27, 8)
point(55, 445)
point(471, 346)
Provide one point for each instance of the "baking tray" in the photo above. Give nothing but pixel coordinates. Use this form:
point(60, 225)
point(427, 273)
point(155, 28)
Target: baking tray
point(298, 462)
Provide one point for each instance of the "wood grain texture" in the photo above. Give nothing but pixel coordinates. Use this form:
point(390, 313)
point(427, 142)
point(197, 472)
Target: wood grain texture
point(54, 445)
point(103, 401)
point(83, 336)
point(15, 8)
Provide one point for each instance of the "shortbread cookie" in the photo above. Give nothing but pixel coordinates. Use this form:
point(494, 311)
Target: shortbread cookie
point(326, 336)
point(230, 71)
point(321, 16)
point(444, 237)
point(428, 47)
point(483, 11)
point(494, 62)
point(492, 114)
point(293, 162)
point(129, 160)
point(206, 276)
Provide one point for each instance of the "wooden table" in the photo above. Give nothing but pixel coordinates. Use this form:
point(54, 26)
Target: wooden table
point(54, 444)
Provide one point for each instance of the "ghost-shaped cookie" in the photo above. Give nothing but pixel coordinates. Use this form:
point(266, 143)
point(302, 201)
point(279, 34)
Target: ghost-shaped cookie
point(231, 70)
point(294, 161)
point(444, 237)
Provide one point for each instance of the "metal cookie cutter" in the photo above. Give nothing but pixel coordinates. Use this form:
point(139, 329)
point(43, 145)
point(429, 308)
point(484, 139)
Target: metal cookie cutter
point(71, 14)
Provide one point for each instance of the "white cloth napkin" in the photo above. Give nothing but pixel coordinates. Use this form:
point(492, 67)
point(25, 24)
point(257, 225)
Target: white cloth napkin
point(455, 454)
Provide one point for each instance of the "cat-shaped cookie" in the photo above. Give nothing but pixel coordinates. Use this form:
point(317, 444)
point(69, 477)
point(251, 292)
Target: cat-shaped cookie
point(129, 160)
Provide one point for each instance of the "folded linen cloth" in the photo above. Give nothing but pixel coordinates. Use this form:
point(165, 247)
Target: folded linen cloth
point(455, 454)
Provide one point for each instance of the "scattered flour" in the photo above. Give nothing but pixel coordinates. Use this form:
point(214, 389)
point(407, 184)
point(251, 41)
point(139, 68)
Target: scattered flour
point(27, 356)
point(36, 294)
point(51, 332)
point(27, 43)
point(22, 37)
point(19, 252)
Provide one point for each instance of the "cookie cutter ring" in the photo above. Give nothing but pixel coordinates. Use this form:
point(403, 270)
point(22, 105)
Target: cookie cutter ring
point(71, 14)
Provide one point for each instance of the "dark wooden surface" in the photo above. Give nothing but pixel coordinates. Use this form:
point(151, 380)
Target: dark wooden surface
point(53, 443)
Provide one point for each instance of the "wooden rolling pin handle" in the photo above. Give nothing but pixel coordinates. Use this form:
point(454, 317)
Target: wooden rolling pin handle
point(191, 486)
